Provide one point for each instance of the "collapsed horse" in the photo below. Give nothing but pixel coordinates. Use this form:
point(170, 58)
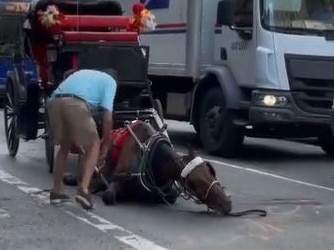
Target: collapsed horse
point(143, 164)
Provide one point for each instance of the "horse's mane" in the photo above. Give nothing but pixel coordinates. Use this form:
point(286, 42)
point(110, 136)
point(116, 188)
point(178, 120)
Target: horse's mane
point(161, 153)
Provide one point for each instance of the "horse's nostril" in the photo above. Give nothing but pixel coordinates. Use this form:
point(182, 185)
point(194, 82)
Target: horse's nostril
point(227, 205)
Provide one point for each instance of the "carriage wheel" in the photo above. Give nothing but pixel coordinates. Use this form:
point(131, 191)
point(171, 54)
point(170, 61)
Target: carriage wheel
point(10, 119)
point(49, 145)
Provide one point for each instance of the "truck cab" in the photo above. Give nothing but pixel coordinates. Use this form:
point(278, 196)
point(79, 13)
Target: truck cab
point(281, 54)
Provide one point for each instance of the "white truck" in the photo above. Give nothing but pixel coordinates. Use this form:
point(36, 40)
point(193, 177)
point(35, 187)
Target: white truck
point(235, 68)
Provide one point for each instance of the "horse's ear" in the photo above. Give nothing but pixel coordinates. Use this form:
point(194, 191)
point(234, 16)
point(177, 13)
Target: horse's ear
point(191, 151)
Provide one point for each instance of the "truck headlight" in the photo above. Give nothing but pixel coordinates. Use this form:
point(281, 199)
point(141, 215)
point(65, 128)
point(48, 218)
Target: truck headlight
point(272, 100)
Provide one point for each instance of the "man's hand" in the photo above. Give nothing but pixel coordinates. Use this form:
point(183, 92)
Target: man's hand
point(104, 148)
point(105, 143)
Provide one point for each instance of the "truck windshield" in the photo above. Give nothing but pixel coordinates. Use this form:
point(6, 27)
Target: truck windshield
point(298, 16)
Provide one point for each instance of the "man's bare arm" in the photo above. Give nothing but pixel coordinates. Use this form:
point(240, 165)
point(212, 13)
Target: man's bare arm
point(106, 127)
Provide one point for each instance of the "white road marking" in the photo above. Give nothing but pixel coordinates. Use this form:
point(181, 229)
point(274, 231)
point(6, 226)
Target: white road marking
point(91, 219)
point(255, 171)
point(4, 214)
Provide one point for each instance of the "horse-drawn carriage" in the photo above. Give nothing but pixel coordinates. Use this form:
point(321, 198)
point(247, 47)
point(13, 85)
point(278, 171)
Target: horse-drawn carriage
point(63, 35)
point(75, 34)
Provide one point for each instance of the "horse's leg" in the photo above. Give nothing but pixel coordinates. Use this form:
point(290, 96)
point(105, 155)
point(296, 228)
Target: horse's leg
point(126, 158)
point(71, 179)
point(114, 188)
point(101, 180)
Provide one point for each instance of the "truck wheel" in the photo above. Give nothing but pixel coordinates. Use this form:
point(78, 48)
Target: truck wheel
point(218, 134)
point(326, 142)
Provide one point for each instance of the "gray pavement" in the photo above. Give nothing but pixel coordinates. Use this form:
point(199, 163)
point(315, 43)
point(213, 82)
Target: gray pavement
point(32, 224)
point(292, 181)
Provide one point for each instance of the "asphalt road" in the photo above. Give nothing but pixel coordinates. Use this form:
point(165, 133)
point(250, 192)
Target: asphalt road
point(292, 181)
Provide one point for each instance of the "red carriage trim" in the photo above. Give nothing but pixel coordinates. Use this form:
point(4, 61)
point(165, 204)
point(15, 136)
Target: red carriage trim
point(75, 36)
point(87, 22)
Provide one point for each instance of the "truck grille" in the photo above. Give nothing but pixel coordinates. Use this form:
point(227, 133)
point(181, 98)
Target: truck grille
point(311, 81)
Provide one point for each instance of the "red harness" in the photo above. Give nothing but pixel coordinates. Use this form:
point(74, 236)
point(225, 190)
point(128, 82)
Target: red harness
point(118, 137)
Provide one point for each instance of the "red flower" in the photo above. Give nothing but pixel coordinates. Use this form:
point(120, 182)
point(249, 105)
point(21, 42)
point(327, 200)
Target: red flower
point(137, 8)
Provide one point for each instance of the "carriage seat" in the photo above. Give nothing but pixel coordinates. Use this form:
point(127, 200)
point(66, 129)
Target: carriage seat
point(88, 28)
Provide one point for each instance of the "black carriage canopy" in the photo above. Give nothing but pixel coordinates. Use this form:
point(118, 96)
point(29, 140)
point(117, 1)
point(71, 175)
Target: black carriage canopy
point(82, 7)
point(14, 14)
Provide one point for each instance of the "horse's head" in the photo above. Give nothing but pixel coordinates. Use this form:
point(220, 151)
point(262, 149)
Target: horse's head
point(198, 178)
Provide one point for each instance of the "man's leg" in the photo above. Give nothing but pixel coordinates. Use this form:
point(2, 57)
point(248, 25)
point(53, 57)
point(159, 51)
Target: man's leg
point(57, 132)
point(57, 194)
point(60, 166)
point(89, 162)
point(84, 134)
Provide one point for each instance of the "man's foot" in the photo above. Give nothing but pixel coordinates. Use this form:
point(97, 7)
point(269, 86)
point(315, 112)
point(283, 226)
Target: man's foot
point(84, 199)
point(56, 198)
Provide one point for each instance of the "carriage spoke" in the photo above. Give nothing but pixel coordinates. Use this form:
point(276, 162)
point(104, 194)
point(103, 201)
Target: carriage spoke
point(10, 143)
point(9, 98)
point(10, 119)
point(12, 134)
point(9, 111)
point(10, 129)
point(10, 139)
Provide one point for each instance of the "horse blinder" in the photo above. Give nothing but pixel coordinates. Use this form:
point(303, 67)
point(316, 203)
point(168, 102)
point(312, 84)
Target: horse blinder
point(187, 170)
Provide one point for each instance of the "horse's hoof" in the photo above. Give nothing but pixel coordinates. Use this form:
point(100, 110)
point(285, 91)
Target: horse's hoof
point(109, 198)
point(97, 187)
point(171, 199)
point(70, 180)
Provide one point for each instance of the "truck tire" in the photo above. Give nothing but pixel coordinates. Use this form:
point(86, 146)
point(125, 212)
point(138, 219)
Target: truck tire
point(218, 134)
point(326, 142)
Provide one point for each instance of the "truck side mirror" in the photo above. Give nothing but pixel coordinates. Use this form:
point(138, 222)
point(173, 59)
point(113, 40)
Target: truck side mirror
point(225, 12)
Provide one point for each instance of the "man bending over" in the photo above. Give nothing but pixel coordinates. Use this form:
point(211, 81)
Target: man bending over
point(70, 109)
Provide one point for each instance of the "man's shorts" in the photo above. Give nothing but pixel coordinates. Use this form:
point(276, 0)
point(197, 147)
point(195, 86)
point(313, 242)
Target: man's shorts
point(71, 122)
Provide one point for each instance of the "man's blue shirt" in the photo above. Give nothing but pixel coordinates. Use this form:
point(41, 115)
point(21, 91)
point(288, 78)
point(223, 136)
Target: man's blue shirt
point(95, 87)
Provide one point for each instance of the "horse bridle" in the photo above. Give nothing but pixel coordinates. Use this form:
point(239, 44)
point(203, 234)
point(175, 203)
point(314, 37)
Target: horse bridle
point(187, 170)
point(184, 192)
point(145, 177)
